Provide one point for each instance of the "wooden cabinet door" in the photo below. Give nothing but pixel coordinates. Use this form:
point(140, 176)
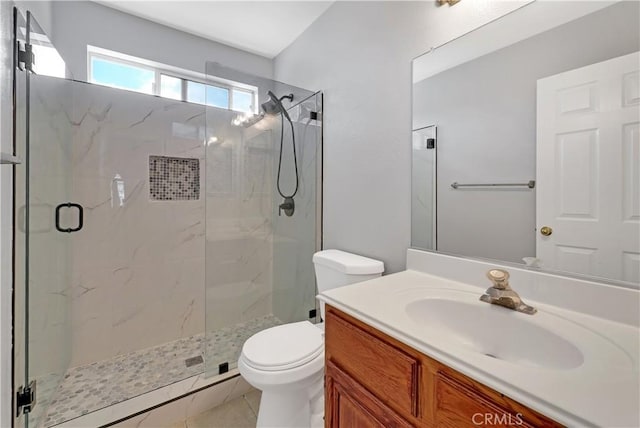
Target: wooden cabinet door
point(349, 405)
point(384, 370)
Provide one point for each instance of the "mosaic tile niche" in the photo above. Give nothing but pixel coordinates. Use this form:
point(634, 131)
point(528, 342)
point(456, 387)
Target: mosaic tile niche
point(174, 179)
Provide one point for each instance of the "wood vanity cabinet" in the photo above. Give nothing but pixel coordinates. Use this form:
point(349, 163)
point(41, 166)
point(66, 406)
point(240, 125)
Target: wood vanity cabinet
point(372, 380)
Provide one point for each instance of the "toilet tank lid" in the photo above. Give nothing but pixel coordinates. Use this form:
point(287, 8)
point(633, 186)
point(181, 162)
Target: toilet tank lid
point(348, 263)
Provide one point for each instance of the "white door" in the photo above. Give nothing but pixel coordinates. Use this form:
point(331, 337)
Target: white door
point(588, 170)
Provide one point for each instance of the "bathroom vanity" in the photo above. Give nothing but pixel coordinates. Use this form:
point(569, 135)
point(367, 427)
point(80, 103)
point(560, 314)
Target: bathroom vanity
point(374, 380)
point(419, 348)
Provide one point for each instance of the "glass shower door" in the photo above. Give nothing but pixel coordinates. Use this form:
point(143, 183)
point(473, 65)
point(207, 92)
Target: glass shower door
point(424, 232)
point(114, 309)
point(44, 220)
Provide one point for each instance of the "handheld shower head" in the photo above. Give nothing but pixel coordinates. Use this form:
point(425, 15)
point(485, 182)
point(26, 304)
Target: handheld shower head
point(274, 105)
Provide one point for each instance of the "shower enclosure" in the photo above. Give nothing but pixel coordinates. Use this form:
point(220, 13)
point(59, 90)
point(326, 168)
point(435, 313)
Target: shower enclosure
point(149, 240)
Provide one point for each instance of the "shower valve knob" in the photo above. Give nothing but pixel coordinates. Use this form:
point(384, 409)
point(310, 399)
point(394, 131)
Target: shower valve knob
point(287, 206)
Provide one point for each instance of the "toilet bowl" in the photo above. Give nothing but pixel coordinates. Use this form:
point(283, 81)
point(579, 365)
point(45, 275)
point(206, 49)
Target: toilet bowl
point(286, 362)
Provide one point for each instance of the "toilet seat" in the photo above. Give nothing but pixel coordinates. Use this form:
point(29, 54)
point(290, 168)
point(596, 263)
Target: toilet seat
point(284, 347)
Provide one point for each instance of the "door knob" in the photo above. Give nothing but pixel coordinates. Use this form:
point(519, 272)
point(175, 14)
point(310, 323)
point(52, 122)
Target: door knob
point(546, 230)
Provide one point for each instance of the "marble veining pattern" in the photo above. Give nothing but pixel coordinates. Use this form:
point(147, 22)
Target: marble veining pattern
point(138, 268)
point(94, 386)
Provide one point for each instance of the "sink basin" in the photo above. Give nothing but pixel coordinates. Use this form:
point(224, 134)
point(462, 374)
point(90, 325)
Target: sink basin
point(495, 332)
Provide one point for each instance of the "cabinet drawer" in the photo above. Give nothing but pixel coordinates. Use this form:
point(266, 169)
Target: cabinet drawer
point(384, 370)
point(458, 406)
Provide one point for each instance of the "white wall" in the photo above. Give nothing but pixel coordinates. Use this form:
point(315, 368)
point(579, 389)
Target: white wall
point(78, 23)
point(41, 10)
point(359, 54)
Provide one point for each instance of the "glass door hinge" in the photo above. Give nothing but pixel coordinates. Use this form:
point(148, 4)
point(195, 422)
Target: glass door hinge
point(26, 398)
point(26, 58)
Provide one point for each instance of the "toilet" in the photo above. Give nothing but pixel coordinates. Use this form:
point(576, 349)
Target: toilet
point(286, 362)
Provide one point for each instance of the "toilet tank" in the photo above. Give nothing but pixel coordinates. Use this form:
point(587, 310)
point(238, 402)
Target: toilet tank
point(335, 268)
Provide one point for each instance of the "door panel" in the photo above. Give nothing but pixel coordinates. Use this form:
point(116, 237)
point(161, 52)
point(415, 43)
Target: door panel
point(588, 163)
point(576, 172)
point(631, 173)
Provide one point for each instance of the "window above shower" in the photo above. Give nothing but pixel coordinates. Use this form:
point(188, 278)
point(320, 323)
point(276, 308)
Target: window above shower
point(127, 72)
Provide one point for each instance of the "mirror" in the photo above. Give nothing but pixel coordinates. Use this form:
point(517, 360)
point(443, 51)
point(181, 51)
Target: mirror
point(536, 158)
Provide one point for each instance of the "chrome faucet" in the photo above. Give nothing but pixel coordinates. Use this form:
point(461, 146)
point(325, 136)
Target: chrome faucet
point(502, 294)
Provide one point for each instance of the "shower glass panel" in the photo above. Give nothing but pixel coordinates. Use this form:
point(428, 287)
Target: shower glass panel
point(297, 238)
point(115, 309)
point(133, 290)
point(137, 313)
point(423, 190)
point(49, 251)
point(43, 255)
point(20, 373)
point(259, 270)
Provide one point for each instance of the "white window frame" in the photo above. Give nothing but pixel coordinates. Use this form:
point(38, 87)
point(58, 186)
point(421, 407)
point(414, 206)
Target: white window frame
point(171, 71)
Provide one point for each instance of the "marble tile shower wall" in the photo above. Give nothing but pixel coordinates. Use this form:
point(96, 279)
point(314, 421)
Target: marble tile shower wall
point(138, 264)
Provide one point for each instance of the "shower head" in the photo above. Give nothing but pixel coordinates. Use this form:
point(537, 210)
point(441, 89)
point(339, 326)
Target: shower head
point(274, 105)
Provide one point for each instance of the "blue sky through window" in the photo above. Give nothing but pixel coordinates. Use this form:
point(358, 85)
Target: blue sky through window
point(122, 76)
point(214, 96)
point(217, 97)
point(242, 101)
point(195, 92)
point(126, 74)
point(171, 87)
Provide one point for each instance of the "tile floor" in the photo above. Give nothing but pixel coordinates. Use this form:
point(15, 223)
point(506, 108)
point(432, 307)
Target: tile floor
point(95, 386)
point(239, 413)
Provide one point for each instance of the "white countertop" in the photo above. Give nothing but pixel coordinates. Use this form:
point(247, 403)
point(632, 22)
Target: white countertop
point(602, 391)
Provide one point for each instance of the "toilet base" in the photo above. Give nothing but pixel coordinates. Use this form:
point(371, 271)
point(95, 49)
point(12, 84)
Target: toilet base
point(298, 408)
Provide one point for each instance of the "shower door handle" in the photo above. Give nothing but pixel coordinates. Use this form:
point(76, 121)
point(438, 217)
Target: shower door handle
point(80, 217)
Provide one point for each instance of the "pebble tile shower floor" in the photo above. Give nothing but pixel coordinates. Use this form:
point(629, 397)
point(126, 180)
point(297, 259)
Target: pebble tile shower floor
point(101, 384)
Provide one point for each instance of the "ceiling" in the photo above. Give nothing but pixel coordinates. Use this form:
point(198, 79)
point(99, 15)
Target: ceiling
point(261, 27)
